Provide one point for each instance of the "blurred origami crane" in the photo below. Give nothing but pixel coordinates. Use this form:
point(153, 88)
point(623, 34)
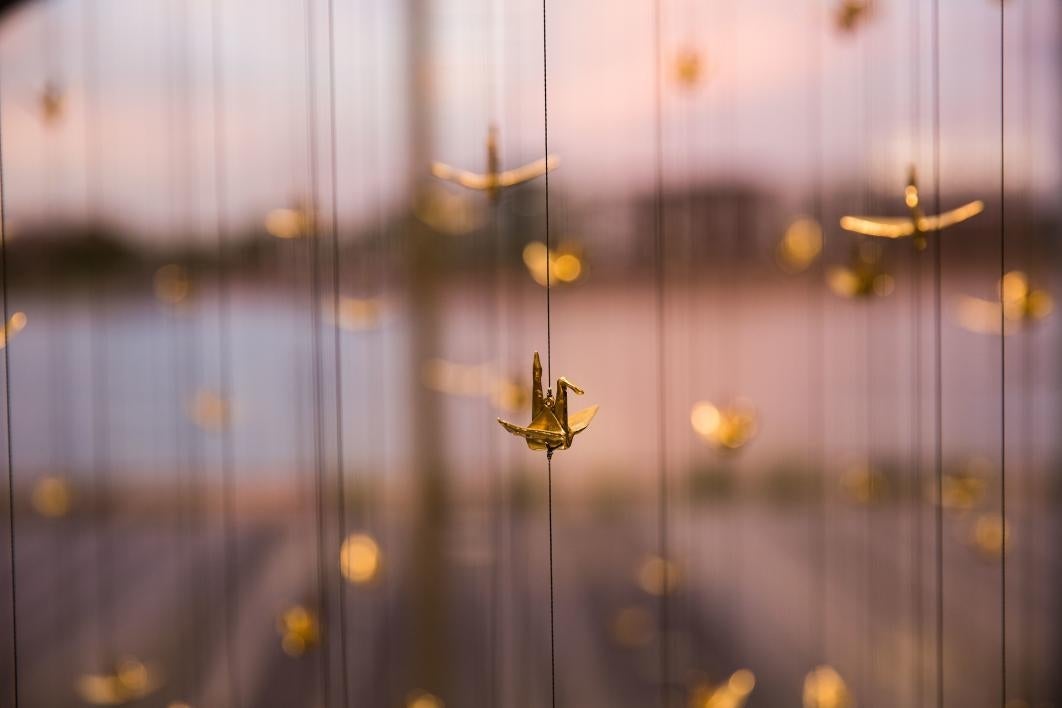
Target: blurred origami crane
point(494, 180)
point(551, 427)
point(916, 224)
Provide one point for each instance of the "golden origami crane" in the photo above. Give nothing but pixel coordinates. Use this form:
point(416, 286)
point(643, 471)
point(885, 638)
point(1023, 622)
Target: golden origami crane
point(916, 224)
point(494, 180)
point(551, 427)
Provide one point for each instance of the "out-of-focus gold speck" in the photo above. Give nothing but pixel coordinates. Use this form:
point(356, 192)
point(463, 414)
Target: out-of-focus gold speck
point(359, 558)
point(474, 380)
point(51, 497)
point(728, 427)
point(298, 630)
point(991, 535)
point(130, 680)
point(290, 222)
point(209, 411)
point(356, 314)
point(633, 627)
point(52, 103)
point(689, 68)
point(1021, 304)
point(658, 576)
point(732, 693)
point(800, 245)
point(565, 263)
point(824, 688)
point(863, 276)
point(850, 13)
point(171, 284)
point(448, 212)
point(864, 485)
point(15, 324)
point(423, 699)
point(962, 491)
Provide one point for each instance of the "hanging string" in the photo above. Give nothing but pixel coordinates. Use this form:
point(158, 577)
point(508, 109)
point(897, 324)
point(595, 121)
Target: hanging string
point(917, 487)
point(386, 244)
point(549, 362)
point(7, 426)
point(176, 62)
point(318, 374)
point(938, 461)
point(661, 400)
point(337, 353)
point(103, 570)
point(495, 517)
point(1029, 460)
point(230, 554)
point(816, 364)
point(1002, 362)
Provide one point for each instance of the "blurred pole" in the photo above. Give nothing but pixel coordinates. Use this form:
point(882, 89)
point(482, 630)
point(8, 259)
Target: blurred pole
point(427, 592)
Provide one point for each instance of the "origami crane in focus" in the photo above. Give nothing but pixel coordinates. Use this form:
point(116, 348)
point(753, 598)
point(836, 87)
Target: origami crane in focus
point(916, 224)
point(551, 427)
point(494, 180)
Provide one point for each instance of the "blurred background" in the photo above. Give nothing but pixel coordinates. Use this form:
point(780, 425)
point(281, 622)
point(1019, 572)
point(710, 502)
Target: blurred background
point(254, 352)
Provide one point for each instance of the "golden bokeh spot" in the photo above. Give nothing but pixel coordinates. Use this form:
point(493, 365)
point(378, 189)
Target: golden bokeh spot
point(171, 284)
point(843, 281)
point(742, 681)
point(1021, 301)
point(52, 103)
point(800, 245)
point(732, 693)
point(910, 196)
point(883, 284)
point(131, 680)
point(355, 314)
point(209, 411)
point(359, 558)
point(508, 395)
point(423, 699)
point(448, 212)
point(962, 491)
point(850, 13)
point(298, 630)
point(289, 223)
point(864, 485)
point(15, 324)
point(863, 276)
point(658, 576)
point(824, 688)
point(688, 67)
point(991, 535)
point(728, 427)
point(705, 419)
point(51, 497)
point(564, 264)
point(633, 627)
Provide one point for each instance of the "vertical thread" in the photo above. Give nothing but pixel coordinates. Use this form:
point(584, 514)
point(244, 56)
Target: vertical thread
point(549, 360)
point(337, 350)
point(7, 427)
point(317, 372)
point(230, 544)
point(938, 461)
point(659, 264)
point(1002, 362)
